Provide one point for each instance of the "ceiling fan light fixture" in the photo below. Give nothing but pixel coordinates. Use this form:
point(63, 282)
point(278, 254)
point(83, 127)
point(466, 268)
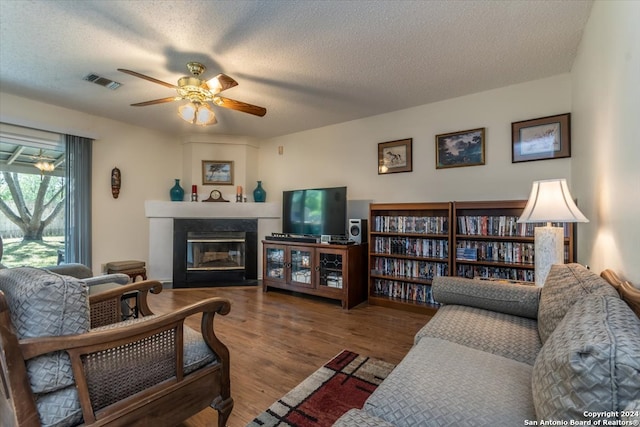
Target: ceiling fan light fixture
point(42, 164)
point(199, 93)
point(187, 112)
point(205, 115)
point(197, 113)
point(45, 166)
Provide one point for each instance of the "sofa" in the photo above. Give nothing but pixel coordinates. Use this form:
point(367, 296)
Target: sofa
point(67, 359)
point(503, 354)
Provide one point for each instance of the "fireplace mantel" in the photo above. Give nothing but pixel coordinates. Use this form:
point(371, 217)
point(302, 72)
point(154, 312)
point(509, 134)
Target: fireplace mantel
point(162, 213)
point(162, 209)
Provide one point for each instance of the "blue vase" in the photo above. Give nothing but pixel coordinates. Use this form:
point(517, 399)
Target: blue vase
point(176, 192)
point(259, 195)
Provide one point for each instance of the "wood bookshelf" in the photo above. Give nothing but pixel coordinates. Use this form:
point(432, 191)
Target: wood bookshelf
point(408, 246)
point(411, 243)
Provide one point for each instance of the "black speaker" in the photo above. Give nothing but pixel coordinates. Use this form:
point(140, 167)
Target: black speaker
point(358, 230)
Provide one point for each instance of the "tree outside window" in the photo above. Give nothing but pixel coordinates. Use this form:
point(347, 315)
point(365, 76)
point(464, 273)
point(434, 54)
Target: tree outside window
point(32, 223)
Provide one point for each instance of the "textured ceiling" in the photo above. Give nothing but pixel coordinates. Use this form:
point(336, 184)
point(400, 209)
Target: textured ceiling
point(310, 63)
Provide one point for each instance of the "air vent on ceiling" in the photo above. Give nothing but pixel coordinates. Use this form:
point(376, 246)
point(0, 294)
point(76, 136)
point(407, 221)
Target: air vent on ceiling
point(102, 81)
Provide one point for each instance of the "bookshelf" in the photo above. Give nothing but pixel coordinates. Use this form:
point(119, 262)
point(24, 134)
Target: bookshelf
point(409, 245)
point(489, 242)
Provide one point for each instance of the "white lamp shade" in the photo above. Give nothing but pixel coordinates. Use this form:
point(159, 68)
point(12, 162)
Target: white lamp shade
point(551, 201)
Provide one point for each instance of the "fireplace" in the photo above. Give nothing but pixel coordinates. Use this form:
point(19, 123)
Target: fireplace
point(214, 252)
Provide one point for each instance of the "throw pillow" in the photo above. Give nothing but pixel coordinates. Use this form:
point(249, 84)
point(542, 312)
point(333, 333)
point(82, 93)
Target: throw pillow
point(41, 304)
point(590, 362)
point(566, 284)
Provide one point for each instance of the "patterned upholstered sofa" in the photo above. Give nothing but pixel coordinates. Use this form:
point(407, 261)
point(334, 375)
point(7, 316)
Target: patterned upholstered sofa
point(67, 359)
point(499, 354)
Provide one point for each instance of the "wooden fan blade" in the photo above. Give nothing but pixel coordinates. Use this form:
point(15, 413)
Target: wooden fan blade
point(157, 101)
point(239, 106)
point(151, 79)
point(221, 82)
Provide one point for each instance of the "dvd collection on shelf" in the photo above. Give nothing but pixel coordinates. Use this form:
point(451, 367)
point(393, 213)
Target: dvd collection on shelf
point(406, 291)
point(411, 257)
point(411, 224)
point(474, 271)
point(466, 253)
point(502, 225)
point(408, 268)
point(510, 252)
point(428, 248)
point(411, 243)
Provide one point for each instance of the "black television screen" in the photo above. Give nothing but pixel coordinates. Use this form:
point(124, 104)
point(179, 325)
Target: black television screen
point(315, 211)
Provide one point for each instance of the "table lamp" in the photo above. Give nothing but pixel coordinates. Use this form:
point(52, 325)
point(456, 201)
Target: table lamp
point(549, 201)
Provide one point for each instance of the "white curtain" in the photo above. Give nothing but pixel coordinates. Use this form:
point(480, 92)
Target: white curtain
point(78, 200)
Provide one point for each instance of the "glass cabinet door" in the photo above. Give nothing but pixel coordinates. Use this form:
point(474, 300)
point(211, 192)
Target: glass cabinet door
point(301, 260)
point(330, 270)
point(275, 263)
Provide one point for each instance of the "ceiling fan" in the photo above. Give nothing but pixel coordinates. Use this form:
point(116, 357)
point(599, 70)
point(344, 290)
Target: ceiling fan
point(199, 93)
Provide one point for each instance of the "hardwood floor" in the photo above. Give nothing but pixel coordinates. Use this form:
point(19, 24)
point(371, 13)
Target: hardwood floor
point(277, 339)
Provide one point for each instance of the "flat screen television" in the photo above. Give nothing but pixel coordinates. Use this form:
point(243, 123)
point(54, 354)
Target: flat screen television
point(315, 211)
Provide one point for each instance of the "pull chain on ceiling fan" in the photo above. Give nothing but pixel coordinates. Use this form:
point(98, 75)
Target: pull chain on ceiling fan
point(199, 93)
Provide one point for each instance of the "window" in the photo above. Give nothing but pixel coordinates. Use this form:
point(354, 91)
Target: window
point(45, 197)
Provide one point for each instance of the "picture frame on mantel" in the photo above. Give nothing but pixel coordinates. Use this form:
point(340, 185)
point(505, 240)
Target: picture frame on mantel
point(541, 139)
point(217, 172)
point(458, 149)
point(395, 156)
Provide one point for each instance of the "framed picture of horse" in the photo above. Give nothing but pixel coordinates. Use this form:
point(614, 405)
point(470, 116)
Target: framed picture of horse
point(395, 156)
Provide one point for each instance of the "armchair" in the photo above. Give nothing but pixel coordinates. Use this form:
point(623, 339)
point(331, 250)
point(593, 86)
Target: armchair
point(85, 367)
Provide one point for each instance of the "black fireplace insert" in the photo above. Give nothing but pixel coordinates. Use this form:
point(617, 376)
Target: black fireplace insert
point(215, 252)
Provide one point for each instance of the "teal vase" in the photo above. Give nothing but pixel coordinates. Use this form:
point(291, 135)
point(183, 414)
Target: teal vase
point(177, 192)
point(259, 195)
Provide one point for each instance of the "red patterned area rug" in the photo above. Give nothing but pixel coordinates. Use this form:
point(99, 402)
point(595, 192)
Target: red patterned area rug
point(345, 382)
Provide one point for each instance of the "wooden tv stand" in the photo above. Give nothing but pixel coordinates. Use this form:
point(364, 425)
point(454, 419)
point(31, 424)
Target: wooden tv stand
point(331, 271)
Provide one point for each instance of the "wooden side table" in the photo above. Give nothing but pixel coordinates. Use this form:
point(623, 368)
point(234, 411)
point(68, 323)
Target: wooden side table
point(131, 268)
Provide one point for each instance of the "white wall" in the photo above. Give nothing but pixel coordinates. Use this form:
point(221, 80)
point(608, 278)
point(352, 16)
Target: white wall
point(242, 151)
point(606, 155)
point(346, 154)
point(147, 162)
point(146, 159)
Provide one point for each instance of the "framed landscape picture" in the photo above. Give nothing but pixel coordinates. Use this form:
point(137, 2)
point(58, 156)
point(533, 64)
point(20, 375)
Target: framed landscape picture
point(456, 149)
point(541, 139)
point(395, 156)
point(217, 172)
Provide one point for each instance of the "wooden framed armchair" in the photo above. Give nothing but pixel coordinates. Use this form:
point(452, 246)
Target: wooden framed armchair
point(151, 371)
